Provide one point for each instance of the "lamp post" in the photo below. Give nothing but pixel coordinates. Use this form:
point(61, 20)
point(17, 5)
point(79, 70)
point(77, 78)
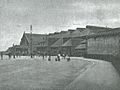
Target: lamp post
point(14, 51)
point(31, 53)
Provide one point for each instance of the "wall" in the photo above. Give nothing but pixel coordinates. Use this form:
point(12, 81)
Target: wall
point(103, 45)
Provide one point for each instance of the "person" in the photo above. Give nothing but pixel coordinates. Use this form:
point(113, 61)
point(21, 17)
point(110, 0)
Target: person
point(17, 54)
point(49, 58)
point(58, 57)
point(43, 55)
point(14, 56)
point(1, 55)
point(55, 59)
point(64, 56)
point(68, 58)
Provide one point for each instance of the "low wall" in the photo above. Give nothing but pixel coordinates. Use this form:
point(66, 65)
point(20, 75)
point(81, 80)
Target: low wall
point(115, 60)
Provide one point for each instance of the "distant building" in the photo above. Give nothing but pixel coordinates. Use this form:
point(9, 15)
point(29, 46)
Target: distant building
point(74, 42)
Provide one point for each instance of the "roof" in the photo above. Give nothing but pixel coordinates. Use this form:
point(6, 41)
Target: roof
point(81, 46)
point(63, 32)
point(83, 33)
point(90, 30)
point(83, 42)
point(36, 38)
point(71, 30)
point(58, 43)
point(9, 50)
point(57, 34)
point(67, 43)
point(68, 33)
point(96, 27)
point(80, 29)
point(78, 32)
point(21, 46)
point(114, 31)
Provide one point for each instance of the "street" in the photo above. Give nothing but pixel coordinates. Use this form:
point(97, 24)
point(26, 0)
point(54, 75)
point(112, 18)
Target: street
point(37, 74)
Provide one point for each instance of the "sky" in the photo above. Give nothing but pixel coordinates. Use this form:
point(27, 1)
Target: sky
point(47, 16)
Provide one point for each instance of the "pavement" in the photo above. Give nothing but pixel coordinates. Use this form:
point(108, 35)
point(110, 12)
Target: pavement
point(101, 75)
point(37, 74)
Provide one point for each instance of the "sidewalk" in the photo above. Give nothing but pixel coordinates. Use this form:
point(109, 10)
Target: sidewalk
point(100, 76)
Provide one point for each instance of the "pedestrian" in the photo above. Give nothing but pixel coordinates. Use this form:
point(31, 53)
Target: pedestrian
point(1, 54)
point(43, 55)
point(14, 56)
point(68, 58)
point(58, 57)
point(64, 56)
point(49, 58)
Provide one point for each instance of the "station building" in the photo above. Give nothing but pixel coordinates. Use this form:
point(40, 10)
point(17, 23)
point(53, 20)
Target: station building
point(74, 42)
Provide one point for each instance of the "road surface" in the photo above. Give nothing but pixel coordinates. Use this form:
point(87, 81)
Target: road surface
point(38, 74)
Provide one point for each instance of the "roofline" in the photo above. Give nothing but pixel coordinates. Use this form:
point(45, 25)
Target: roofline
point(103, 34)
point(26, 37)
point(91, 26)
point(37, 34)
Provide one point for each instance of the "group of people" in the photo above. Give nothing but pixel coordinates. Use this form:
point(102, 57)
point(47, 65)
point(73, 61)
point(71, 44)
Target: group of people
point(9, 55)
point(59, 56)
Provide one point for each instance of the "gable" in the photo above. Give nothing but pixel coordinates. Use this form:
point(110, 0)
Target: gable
point(36, 38)
point(67, 43)
point(24, 40)
point(58, 43)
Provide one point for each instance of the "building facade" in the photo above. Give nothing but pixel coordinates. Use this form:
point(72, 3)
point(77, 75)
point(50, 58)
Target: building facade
point(104, 44)
point(91, 40)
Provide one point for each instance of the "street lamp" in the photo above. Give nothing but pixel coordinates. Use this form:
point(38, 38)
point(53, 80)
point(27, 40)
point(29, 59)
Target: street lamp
point(31, 53)
point(14, 51)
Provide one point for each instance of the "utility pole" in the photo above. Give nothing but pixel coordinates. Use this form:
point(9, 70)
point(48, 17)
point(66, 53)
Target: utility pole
point(31, 51)
point(14, 51)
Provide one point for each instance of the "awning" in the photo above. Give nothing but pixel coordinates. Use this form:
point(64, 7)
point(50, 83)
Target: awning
point(84, 41)
point(81, 46)
point(67, 43)
point(58, 43)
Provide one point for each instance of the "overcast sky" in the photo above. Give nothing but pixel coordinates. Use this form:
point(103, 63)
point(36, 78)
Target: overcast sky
point(53, 15)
